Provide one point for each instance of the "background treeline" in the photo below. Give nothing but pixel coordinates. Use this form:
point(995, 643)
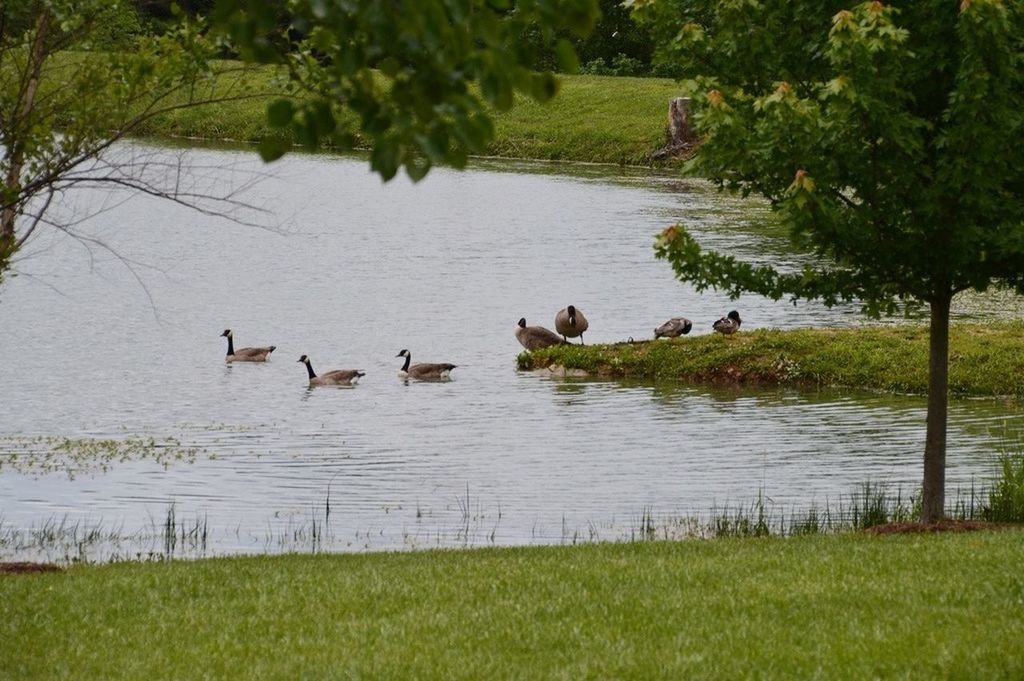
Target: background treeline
point(618, 46)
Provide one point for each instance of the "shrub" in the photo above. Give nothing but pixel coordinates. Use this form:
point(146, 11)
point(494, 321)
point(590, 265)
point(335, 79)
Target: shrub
point(621, 65)
point(1006, 498)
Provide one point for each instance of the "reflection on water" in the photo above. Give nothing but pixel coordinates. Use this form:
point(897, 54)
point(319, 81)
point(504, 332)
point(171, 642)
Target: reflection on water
point(444, 268)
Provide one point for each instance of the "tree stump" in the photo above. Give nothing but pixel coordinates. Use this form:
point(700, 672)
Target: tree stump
point(682, 139)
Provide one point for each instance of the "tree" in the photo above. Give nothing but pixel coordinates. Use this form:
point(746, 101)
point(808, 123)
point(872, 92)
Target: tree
point(887, 139)
point(63, 106)
point(615, 36)
point(415, 80)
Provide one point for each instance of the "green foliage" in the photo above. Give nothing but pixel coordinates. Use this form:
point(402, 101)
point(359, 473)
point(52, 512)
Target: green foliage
point(620, 65)
point(616, 35)
point(1006, 498)
point(986, 360)
point(117, 28)
point(403, 71)
point(844, 607)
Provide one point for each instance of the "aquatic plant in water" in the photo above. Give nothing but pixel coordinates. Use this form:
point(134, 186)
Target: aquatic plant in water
point(45, 454)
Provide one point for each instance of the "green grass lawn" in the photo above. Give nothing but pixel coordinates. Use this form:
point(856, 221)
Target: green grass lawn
point(838, 607)
point(592, 119)
point(985, 360)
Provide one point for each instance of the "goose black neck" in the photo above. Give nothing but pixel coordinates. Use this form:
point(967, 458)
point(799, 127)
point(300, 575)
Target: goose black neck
point(231, 346)
point(309, 368)
point(408, 358)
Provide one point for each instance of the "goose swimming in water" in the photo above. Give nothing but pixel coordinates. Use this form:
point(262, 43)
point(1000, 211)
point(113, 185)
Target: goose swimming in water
point(571, 323)
point(728, 324)
point(336, 377)
point(245, 354)
point(536, 337)
point(673, 328)
point(424, 372)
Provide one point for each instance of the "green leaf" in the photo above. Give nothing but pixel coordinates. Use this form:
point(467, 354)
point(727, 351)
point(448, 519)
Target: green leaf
point(280, 113)
point(271, 148)
point(417, 168)
point(385, 158)
point(567, 59)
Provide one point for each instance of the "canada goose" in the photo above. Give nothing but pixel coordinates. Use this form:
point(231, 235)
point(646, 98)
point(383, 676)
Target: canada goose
point(245, 354)
point(673, 328)
point(536, 337)
point(728, 324)
point(570, 322)
point(424, 372)
point(336, 377)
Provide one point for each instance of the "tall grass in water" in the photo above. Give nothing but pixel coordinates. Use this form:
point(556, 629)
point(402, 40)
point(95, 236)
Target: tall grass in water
point(873, 505)
point(192, 536)
point(1006, 496)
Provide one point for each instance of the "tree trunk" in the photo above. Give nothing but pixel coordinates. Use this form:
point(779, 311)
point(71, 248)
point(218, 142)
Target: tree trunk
point(679, 123)
point(682, 137)
point(933, 491)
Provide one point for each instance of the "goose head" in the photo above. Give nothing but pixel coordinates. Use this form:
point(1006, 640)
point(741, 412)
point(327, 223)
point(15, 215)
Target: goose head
point(522, 322)
point(734, 315)
point(226, 334)
point(403, 353)
point(304, 359)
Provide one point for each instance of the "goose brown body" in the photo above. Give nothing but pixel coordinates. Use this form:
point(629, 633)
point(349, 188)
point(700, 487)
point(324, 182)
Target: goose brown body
point(536, 337)
point(336, 377)
point(424, 372)
point(673, 328)
point(571, 323)
point(728, 324)
point(246, 354)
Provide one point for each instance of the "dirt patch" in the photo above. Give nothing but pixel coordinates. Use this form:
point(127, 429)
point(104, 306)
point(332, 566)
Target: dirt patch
point(23, 568)
point(941, 526)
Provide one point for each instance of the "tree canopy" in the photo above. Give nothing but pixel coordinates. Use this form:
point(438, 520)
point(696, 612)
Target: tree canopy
point(884, 136)
point(421, 77)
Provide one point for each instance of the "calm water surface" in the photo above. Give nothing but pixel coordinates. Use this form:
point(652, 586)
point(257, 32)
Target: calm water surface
point(352, 272)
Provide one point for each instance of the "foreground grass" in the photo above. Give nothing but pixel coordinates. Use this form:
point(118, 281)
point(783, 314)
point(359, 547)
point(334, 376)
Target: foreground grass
point(984, 360)
point(847, 606)
point(593, 119)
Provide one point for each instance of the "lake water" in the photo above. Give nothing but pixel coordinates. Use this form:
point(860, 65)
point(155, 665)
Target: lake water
point(248, 459)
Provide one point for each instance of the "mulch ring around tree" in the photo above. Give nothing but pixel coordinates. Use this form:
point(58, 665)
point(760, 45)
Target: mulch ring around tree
point(24, 568)
point(940, 526)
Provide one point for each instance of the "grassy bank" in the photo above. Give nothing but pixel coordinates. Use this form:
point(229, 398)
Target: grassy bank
point(984, 360)
point(849, 606)
point(593, 119)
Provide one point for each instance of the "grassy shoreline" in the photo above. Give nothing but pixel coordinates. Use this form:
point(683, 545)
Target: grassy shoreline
point(985, 361)
point(594, 119)
point(846, 606)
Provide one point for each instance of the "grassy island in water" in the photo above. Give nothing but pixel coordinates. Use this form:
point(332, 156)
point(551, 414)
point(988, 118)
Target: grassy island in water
point(984, 360)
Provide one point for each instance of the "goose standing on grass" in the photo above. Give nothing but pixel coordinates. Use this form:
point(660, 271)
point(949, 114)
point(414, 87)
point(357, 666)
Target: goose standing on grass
point(673, 328)
point(728, 324)
point(245, 354)
point(536, 337)
point(424, 372)
point(570, 322)
point(336, 377)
